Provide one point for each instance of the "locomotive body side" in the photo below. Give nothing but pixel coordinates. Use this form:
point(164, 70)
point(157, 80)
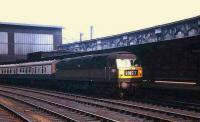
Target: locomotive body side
point(101, 70)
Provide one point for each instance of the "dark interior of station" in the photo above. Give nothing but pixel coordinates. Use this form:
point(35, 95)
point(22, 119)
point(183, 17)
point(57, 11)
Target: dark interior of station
point(171, 60)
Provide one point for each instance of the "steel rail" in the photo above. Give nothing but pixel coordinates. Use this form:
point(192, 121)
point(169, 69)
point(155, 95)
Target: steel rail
point(15, 113)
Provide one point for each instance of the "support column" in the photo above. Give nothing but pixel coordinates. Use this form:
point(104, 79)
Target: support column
point(11, 43)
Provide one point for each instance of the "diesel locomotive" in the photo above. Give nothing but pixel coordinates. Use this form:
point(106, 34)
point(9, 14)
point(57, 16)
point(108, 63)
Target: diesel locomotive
point(111, 72)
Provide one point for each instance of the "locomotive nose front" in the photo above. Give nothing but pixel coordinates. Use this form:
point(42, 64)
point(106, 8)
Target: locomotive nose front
point(129, 77)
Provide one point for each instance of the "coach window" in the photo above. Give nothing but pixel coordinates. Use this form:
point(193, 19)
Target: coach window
point(26, 70)
point(29, 70)
point(35, 70)
point(42, 70)
point(23, 70)
point(38, 70)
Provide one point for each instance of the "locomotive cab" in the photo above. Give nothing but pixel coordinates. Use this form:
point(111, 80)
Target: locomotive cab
point(129, 71)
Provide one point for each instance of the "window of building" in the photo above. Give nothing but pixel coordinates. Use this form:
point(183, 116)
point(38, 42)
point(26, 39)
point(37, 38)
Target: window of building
point(28, 43)
point(3, 43)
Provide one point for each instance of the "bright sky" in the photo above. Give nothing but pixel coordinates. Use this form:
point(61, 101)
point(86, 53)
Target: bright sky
point(107, 16)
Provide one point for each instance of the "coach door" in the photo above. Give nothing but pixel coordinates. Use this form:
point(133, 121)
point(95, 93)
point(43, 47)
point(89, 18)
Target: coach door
point(107, 73)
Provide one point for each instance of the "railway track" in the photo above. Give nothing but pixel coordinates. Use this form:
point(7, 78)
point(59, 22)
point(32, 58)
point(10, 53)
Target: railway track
point(74, 114)
point(7, 114)
point(180, 104)
point(29, 112)
point(132, 110)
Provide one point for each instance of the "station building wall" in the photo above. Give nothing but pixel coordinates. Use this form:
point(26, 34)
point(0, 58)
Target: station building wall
point(17, 40)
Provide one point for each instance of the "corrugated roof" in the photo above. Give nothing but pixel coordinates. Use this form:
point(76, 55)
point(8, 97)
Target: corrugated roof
point(30, 25)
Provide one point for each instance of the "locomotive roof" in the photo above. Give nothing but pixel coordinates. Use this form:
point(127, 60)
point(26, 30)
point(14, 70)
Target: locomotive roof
point(112, 55)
